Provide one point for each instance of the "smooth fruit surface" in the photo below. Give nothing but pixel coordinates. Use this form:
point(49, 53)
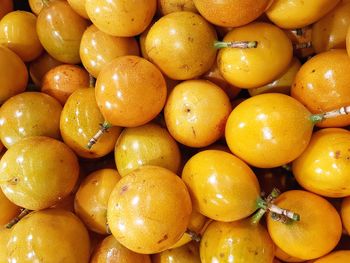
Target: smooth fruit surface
point(238, 241)
point(296, 14)
point(37, 172)
point(148, 144)
point(188, 253)
point(60, 30)
point(340, 256)
point(170, 6)
point(247, 68)
point(318, 220)
point(323, 168)
point(268, 130)
point(9, 210)
point(51, 235)
point(181, 44)
point(14, 74)
point(123, 18)
point(18, 33)
point(222, 186)
point(79, 7)
point(29, 114)
point(196, 112)
point(322, 85)
point(149, 210)
point(130, 92)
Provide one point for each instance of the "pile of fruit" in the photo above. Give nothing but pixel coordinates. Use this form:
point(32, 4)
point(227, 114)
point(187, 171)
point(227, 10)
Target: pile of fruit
point(174, 131)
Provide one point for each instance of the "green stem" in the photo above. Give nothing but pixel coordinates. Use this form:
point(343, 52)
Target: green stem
point(315, 118)
point(255, 219)
point(236, 44)
point(104, 127)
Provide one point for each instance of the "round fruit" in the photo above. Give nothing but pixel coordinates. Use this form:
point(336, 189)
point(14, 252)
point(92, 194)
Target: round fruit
point(79, 118)
point(188, 253)
point(279, 253)
point(121, 18)
point(321, 85)
point(18, 33)
point(196, 112)
point(238, 241)
point(296, 14)
point(61, 38)
point(181, 44)
point(37, 5)
point(5, 234)
point(231, 13)
point(149, 210)
point(91, 200)
point(130, 92)
point(323, 168)
point(29, 114)
point(330, 31)
point(269, 130)
point(50, 235)
point(14, 74)
point(149, 144)
point(247, 68)
point(317, 218)
point(110, 250)
point(37, 172)
point(340, 256)
point(345, 214)
point(222, 187)
point(61, 81)
point(282, 84)
point(8, 210)
point(98, 48)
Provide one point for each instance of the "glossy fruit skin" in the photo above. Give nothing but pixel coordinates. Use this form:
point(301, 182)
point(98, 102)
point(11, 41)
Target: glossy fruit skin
point(29, 114)
point(297, 14)
point(51, 235)
point(170, 6)
point(222, 187)
point(60, 30)
point(214, 76)
point(149, 210)
point(110, 250)
point(98, 48)
point(37, 172)
point(79, 7)
point(345, 214)
point(8, 210)
point(61, 81)
point(5, 234)
point(238, 241)
point(80, 118)
point(339, 256)
point(39, 67)
point(323, 168)
point(18, 33)
point(181, 44)
point(196, 112)
point(330, 31)
point(188, 253)
point(91, 200)
point(14, 74)
point(221, 12)
point(130, 92)
point(122, 18)
point(282, 84)
point(321, 85)
point(318, 218)
point(37, 5)
point(279, 253)
point(247, 68)
point(149, 144)
point(6, 6)
point(254, 132)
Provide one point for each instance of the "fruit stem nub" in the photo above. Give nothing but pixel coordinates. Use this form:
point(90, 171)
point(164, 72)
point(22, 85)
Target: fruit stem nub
point(194, 236)
point(236, 44)
point(315, 118)
point(14, 221)
point(103, 129)
point(91, 81)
